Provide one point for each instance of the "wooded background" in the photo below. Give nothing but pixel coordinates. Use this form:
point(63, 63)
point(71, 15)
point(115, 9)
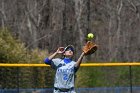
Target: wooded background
point(49, 24)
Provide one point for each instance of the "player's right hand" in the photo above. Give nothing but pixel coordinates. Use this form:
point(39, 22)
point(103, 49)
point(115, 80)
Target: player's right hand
point(60, 50)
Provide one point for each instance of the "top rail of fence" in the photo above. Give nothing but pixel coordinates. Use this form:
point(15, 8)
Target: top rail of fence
point(83, 64)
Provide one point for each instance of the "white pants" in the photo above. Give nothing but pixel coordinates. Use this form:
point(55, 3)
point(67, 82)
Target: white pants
point(57, 91)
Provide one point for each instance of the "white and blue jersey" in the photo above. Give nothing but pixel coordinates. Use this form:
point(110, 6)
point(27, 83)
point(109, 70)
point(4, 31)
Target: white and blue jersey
point(65, 72)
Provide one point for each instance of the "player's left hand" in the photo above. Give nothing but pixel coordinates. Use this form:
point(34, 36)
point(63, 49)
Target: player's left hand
point(89, 48)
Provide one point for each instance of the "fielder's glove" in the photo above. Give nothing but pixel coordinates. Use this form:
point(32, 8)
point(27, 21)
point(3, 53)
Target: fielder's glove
point(89, 48)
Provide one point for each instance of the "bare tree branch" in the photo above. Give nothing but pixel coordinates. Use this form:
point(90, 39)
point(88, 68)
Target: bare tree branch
point(133, 5)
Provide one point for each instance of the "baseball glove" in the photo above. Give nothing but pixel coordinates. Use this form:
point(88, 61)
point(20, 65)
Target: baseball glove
point(89, 48)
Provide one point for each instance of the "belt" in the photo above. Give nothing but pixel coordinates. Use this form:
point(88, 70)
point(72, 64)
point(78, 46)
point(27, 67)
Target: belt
point(64, 89)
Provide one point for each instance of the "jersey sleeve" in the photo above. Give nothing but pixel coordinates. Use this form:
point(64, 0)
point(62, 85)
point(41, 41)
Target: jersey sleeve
point(47, 61)
point(55, 63)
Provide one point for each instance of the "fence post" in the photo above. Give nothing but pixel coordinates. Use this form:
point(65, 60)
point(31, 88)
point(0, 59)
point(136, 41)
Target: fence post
point(18, 79)
point(130, 78)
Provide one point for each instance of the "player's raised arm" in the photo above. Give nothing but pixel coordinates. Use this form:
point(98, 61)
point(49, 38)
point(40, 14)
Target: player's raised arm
point(77, 65)
point(88, 49)
point(49, 59)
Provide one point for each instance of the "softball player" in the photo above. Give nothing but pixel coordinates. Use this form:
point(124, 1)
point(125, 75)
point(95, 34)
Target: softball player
point(65, 69)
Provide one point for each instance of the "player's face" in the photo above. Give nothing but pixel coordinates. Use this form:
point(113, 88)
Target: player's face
point(68, 53)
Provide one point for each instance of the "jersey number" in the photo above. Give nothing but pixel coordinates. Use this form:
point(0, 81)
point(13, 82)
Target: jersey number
point(65, 76)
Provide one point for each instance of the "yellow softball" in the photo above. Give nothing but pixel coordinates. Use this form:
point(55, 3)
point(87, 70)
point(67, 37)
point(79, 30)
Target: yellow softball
point(90, 35)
